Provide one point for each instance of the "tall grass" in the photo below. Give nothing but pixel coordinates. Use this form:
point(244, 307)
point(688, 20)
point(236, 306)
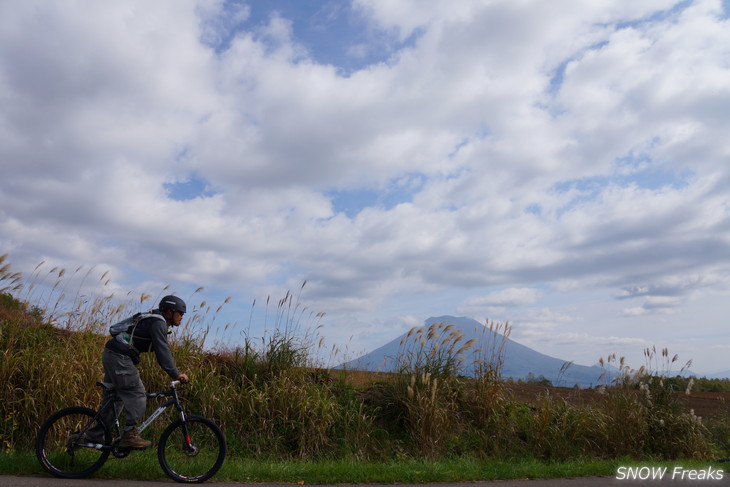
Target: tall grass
point(643, 413)
point(275, 401)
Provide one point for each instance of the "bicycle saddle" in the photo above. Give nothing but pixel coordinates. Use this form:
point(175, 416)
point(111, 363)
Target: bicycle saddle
point(106, 385)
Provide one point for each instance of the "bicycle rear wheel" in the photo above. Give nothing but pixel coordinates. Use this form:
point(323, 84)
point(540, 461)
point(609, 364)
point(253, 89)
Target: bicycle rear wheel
point(62, 449)
point(191, 451)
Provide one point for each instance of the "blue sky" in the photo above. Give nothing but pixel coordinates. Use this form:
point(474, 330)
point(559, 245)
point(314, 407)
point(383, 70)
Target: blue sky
point(559, 165)
point(329, 32)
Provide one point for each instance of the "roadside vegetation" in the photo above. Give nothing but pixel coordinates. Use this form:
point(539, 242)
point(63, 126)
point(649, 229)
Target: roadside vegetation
point(282, 410)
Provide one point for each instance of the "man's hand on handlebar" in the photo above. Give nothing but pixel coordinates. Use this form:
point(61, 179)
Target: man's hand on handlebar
point(183, 378)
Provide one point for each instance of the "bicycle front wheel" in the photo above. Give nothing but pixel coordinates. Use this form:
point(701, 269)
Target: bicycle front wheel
point(191, 451)
point(62, 449)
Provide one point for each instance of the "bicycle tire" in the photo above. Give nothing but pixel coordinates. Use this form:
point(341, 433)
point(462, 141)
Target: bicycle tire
point(57, 450)
point(195, 457)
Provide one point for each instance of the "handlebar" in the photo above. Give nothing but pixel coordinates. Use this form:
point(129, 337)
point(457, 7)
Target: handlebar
point(173, 386)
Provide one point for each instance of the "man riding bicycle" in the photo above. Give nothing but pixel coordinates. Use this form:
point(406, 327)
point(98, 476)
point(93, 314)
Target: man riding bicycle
point(120, 368)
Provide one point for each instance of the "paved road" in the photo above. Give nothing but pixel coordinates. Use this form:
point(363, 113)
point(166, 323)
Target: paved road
point(38, 481)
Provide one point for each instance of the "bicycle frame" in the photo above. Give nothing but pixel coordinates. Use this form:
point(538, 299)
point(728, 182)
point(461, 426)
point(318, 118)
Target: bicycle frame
point(112, 402)
point(172, 402)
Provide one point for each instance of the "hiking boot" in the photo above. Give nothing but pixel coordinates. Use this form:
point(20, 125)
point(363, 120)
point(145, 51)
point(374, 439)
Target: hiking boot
point(132, 440)
point(72, 442)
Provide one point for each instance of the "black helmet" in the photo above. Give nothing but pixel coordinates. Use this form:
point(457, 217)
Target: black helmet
point(172, 302)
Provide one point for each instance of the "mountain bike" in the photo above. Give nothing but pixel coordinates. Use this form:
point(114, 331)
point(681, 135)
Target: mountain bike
point(190, 450)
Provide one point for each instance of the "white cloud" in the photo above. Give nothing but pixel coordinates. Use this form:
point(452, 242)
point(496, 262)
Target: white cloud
point(510, 297)
point(656, 305)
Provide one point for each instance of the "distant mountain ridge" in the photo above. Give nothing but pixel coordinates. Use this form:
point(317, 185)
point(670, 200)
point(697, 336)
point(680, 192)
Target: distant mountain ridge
point(520, 362)
point(725, 374)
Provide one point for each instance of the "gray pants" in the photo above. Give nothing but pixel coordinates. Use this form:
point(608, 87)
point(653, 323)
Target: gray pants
point(121, 371)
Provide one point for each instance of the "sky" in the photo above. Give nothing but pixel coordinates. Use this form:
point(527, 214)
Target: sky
point(562, 166)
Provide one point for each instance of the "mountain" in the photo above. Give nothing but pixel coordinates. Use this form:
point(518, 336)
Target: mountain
point(520, 362)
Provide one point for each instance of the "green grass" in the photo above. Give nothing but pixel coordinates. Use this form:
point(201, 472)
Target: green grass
point(409, 471)
point(144, 466)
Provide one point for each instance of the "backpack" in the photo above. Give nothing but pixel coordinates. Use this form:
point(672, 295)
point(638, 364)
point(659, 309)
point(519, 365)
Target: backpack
point(123, 330)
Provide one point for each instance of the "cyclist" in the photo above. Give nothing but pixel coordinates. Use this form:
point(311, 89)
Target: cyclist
point(120, 368)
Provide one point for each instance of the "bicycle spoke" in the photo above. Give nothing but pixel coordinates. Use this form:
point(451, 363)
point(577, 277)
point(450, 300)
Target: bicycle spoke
point(192, 451)
point(62, 448)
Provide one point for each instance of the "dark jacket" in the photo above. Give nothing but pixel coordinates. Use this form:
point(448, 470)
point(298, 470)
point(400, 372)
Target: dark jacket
point(150, 335)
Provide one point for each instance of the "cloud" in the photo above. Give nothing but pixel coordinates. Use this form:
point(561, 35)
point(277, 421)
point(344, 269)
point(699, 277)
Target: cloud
point(510, 297)
point(668, 296)
point(656, 305)
point(672, 286)
point(584, 339)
